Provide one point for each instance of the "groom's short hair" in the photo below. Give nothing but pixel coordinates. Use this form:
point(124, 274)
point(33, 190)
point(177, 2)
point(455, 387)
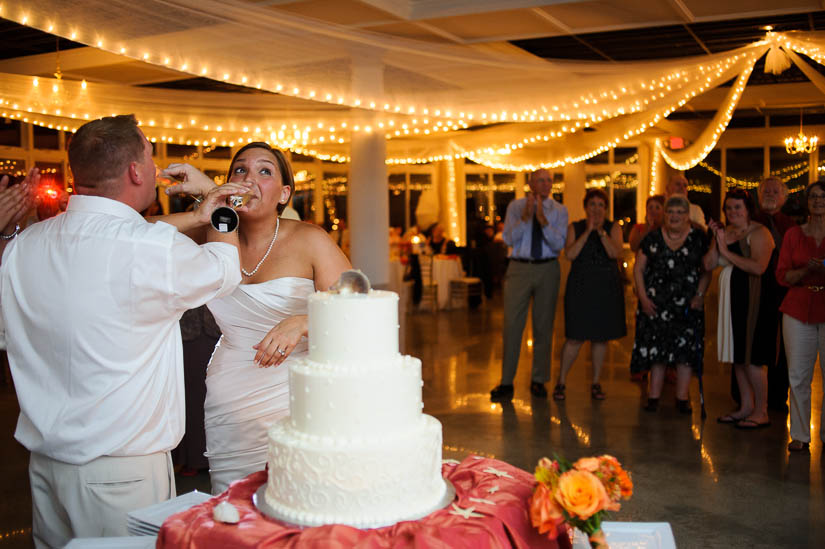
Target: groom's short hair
point(101, 150)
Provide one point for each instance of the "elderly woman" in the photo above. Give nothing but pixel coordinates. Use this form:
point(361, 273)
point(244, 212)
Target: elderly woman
point(654, 216)
point(801, 268)
point(743, 247)
point(670, 285)
point(593, 298)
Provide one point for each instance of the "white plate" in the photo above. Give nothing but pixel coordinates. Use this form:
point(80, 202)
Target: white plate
point(631, 535)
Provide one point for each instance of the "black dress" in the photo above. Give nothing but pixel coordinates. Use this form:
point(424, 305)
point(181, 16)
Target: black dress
point(755, 329)
point(676, 334)
point(594, 297)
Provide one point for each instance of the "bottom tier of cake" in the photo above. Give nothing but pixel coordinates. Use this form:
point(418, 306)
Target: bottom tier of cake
point(363, 482)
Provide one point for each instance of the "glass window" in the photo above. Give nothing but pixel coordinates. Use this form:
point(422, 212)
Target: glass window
point(10, 135)
point(477, 203)
point(558, 187)
point(303, 196)
point(625, 155)
point(214, 151)
point(398, 199)
point(181, 151)
point(625, 186)
point(14, 168)
point(705, 184)
point(602, 158)
point(335, 199)
point(419, 182)
point(46, 138)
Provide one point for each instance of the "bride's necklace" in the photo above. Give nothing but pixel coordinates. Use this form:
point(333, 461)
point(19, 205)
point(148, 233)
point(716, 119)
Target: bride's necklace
point(261, 262)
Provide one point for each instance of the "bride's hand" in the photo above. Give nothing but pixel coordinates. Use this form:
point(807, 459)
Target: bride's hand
point(217, 197)
point(281, 340)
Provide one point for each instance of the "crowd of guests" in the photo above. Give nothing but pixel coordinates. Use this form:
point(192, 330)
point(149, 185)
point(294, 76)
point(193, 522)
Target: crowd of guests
point(771, 295)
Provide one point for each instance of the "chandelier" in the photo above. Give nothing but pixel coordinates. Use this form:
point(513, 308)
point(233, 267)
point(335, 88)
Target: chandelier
point(801, 143)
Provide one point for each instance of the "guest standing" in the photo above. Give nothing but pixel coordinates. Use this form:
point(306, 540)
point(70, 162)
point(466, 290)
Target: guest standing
point(654, 217)
point(670, 284)
point(801, 269)
point(534, 228)
point(743, 247)
point(772, 196)
point(678, 185)
point(90, 306)
point(594, 296)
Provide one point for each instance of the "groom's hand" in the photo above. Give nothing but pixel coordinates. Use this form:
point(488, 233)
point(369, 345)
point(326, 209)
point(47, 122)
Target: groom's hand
point(187, 180)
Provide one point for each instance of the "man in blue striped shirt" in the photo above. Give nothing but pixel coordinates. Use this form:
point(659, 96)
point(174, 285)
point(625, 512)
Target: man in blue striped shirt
point(535, 227)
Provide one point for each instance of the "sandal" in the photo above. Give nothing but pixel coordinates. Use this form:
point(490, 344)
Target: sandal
point(558, 392)
point(652, 405)
point(596, 392)
point(798, 446)
point(683, 406)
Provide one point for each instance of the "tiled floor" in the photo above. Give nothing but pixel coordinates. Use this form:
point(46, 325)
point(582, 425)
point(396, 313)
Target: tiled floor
point(717, 486)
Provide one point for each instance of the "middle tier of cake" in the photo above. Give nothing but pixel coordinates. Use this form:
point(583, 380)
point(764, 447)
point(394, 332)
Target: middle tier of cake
point(363, 398)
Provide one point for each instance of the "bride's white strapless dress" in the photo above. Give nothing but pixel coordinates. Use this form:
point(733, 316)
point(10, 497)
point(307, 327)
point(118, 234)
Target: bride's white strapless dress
point(243, 400)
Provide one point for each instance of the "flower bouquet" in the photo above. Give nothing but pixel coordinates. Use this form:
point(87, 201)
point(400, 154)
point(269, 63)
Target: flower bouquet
point(578, 495)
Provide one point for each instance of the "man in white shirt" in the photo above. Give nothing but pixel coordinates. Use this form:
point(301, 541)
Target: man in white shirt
point(678, 184)
point(90, 302)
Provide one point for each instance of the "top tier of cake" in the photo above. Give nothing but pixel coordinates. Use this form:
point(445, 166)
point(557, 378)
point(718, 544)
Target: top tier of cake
point(353, 327)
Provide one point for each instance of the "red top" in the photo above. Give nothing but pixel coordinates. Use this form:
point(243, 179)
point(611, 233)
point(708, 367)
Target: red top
point(804, 301)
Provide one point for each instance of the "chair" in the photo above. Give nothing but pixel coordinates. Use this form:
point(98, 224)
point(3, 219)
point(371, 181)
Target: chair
point(465, 292)
point(429, 287)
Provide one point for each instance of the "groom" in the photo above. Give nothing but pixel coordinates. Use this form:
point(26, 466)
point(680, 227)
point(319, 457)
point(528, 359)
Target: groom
point(89, 303)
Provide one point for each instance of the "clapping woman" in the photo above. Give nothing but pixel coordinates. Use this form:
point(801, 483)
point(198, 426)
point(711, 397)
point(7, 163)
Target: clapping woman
point(801, 268)
point(670, 285)
point(264, 321)
point(743, 247)
point(594, 297)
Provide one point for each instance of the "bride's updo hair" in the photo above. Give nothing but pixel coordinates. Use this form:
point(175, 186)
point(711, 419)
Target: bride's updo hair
point(284, 167)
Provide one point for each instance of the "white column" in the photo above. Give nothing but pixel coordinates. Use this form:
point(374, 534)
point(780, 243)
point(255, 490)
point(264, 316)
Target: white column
point(368, 202)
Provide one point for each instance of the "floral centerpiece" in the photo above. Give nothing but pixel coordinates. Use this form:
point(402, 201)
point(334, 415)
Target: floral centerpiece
point(578, 495)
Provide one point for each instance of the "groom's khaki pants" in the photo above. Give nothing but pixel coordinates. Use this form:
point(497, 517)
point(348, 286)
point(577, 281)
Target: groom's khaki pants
point(91, 500)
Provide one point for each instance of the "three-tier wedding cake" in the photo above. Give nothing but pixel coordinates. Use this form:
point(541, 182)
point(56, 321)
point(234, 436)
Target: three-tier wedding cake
point(356, 448)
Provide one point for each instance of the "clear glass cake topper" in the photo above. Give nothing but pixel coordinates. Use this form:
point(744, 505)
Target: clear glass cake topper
point(351, 282)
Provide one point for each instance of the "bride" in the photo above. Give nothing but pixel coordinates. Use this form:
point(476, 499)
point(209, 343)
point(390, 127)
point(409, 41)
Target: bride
point(264, 321)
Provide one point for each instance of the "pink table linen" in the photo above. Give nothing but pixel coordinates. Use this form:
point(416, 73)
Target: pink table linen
point(495, 490)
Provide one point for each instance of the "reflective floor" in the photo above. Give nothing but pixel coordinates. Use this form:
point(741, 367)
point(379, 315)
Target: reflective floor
point(717, 486)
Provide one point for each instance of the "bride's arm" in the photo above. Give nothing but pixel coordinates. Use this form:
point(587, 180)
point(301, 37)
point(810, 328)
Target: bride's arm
point(328, 262)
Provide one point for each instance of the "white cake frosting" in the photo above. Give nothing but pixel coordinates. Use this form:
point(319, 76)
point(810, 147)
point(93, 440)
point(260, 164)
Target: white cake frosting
point(357, 448)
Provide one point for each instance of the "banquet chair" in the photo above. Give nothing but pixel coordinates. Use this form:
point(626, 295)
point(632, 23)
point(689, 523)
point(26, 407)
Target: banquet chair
point(429, 288)
point(465, 292)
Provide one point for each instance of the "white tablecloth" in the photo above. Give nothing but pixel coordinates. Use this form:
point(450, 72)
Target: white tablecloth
point(444, 270)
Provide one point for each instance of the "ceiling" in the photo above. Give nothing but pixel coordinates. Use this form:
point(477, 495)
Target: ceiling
point(607, 30)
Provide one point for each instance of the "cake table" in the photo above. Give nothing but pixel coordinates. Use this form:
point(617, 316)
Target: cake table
point(489, 511)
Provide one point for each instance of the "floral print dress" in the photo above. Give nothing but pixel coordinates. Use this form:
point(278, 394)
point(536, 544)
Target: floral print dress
point(675, 335)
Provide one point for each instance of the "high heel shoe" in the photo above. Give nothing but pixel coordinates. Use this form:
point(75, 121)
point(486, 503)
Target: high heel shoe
point(652, 405)
point(683, 406)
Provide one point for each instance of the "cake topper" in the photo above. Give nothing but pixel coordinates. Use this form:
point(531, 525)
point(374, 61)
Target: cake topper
point(351, 282)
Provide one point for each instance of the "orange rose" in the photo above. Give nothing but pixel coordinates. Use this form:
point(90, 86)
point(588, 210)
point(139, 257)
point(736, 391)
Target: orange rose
point(581, 494)
point(544, 511)
point(587, 464)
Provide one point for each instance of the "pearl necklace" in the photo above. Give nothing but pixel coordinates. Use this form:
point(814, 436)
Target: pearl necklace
point(261, 262)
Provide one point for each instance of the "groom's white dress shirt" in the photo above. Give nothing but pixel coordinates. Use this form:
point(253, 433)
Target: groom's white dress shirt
point(90, 302)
